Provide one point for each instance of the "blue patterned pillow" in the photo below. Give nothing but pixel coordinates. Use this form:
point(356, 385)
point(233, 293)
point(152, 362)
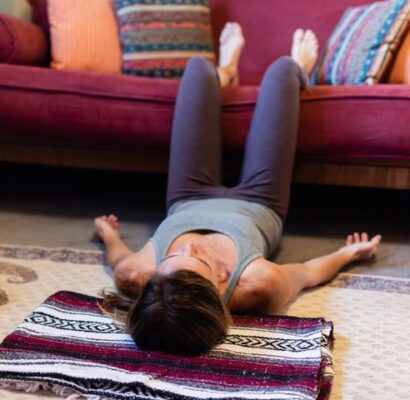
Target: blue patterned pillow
point(362, 46)
point(159, 36)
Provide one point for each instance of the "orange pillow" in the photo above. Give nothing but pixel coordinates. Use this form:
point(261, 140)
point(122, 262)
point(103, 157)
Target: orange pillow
point(84, 36)
point(400, 72)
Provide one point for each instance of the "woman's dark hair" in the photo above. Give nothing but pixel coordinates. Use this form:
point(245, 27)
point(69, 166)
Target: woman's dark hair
point(180, 313)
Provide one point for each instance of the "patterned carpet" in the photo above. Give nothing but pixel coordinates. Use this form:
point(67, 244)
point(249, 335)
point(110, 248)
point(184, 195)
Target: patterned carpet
point(370, 315)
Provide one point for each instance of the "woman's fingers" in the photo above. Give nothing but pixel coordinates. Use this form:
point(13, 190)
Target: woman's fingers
point(113, 220)
point(374, 243)
point(357, 237)
point(376, 240)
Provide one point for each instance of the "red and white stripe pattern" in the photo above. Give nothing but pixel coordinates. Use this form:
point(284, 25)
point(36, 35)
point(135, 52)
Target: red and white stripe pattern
point(68, 346)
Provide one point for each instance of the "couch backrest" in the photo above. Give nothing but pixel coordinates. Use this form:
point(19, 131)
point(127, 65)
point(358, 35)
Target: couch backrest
point(39, 14)
point(268, 26)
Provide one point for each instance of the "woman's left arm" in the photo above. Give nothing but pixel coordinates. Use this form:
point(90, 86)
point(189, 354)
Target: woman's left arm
point(283, 283)
point(358, 248)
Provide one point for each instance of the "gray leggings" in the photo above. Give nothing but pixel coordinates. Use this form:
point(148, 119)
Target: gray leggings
point(195, 168)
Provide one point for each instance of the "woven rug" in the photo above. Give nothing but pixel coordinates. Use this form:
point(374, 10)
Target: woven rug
point(66, 345)
point(372, 322)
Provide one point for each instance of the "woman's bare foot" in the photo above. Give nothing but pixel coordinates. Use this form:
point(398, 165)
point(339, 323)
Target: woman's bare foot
point(106, 227)
point(231, 42)
point(305, 49)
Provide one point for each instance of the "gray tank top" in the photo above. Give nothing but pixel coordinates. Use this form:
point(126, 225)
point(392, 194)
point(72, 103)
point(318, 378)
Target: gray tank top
point(254, 228)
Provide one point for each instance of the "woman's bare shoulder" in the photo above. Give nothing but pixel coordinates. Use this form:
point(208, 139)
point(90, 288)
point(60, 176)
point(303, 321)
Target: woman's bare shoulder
point(133, 271)
point(254, 287)
point(146, 254)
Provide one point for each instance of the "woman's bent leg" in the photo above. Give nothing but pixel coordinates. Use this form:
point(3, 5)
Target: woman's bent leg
point(196, 142)
point(270, 148)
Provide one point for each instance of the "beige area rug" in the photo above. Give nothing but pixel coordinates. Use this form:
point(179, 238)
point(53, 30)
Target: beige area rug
point(28, 275)
point(371, 316)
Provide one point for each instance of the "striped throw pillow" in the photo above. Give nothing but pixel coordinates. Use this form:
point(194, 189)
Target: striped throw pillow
point(159, 36)
point(363, 44)
point(400, 70)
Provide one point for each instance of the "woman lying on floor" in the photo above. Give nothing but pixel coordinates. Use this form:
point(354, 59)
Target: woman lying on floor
point(210, 255)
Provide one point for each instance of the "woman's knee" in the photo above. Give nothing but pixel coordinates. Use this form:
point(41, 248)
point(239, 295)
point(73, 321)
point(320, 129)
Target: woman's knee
point(284, 68)
point(199, 63)
point(283, 65)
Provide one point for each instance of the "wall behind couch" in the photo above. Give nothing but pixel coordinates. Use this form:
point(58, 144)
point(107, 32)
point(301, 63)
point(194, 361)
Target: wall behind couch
point(18, 8)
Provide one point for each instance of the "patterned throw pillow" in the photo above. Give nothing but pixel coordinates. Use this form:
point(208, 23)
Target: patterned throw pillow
point(363, 44)
point(159, 36)
point(400, 70)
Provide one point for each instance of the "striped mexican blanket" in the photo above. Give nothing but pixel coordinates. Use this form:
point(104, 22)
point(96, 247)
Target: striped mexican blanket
point(68, 346)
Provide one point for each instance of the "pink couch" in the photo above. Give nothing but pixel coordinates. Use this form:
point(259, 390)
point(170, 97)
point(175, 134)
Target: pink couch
point(349, 135)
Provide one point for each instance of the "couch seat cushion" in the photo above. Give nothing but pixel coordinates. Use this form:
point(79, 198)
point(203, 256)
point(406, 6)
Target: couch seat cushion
point(84, 108)
point(40, 105)
point(346, 122)
point(369, 122)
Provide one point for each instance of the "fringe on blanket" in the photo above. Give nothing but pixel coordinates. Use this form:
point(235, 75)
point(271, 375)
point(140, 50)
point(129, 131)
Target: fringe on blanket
point(66, 392)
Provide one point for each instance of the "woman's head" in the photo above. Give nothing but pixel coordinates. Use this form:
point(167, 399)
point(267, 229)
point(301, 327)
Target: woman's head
point(181, 313)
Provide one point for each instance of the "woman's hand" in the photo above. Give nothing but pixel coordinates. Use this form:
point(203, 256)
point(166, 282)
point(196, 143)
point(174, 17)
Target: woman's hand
point(360, 247)
point(106, 227)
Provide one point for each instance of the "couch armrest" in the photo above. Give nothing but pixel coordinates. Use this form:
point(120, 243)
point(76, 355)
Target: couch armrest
point(22, 42)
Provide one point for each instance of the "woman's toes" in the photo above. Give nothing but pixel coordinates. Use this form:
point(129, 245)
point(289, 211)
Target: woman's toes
point(222, 36)
point(309, 34)
point(226, 32)
point(298, 36)
point(236, 28)
point(297, 42)
point(232, 42)
point(307, 40)
point(311, 40)
point(313, 43)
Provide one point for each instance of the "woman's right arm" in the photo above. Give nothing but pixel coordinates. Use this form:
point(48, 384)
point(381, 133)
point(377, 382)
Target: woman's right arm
point(106, 228)
point(131, 269)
